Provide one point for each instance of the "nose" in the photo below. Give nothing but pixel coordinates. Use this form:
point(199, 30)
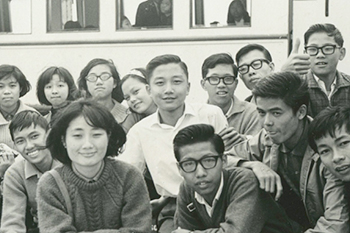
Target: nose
point(338, 156)
point(268, 120)
point(251, 72)
point(7, 91)
point(54, 90)
point(200, 171)
point(99, 81)
point(29, 145)
point(320, 53)
point(169, 88)
point(87, 143)
point(132, 99)
point(221, 83)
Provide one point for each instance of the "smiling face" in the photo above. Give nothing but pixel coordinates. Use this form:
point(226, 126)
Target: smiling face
point(220, 94)
point(253, 76)
point(31, 142)
point(137, 97)
point(168, 86)
point(205, 182)
point(9, 93)
point(324, 65)
point(86, 145)
point(279, 120)
point(56, 91)
point(101, 89)
point(335, 153)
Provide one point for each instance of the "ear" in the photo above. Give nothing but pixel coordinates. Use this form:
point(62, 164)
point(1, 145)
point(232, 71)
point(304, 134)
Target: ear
point(272, 66)
point(179, 168)
point(148, 89)
point(302, 112)
point(63, 140)
point(188, 88)
point(115, 83)
point(342, 54)
point(224, 161)
point(235, 84)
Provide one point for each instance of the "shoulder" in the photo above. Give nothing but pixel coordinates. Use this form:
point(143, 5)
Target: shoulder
point(205, 109)
point(240, 175)
point(345, 77)
point(17, 168)
point(122, 169)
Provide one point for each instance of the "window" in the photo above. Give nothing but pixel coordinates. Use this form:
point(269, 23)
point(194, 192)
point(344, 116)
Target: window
point(144, 14)
point(72, 15)
point(15, 16)
point(235, 13)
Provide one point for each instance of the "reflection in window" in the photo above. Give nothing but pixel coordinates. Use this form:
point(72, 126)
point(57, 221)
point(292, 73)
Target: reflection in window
point(231, 13)
point(15, 16)
point(72, 15)
point(136, 14)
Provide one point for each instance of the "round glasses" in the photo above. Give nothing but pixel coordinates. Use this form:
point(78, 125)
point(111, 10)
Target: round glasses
point(215, 80)
point(94, 77)
point(207, 162)
point(326, 49)
point(256, 64)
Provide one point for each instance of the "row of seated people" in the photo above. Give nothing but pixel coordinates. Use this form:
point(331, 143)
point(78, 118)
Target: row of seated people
point(313, 199)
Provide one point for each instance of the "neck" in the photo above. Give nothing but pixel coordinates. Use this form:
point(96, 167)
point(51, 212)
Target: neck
point(9, 109)
point(224, 107)
point(45, 165)
point(328, 79)
point(88, 172)
point(152, 109)
point(171, 118)
point(63, 104)
point(292, 142)
point(107, 102)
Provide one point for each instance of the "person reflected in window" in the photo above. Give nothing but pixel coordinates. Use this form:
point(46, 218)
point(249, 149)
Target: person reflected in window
point(126, 22)
point(237, 14)
point(148, 14)
point(166, 13)
point(72, 25)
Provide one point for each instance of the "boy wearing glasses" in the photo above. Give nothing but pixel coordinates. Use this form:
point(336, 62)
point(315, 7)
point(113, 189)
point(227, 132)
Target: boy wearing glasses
point(212, 199)
point(254, 62)
point(327, 86)
point(219, 75)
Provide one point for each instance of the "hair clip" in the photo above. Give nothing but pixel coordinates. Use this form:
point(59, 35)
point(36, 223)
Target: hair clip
point(136, 72)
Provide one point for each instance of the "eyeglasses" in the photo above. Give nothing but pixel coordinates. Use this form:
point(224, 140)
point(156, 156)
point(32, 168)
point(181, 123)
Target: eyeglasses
point(326, 49)
point(215, 80)
point(94, 77)
point(256, 64)
point(207, 162)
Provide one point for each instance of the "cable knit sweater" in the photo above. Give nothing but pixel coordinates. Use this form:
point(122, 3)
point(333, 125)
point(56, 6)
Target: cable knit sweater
point(117, 200)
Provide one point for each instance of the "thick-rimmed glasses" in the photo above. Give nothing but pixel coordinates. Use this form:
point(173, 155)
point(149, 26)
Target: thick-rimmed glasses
point(207, 162)
point(256, 64)
point(326, 49)
point(215, 80)
point(94, 77)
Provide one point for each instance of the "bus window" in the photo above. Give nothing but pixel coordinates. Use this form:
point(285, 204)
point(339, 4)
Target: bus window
point(234, 13)
point(15, 16)
point(72, 15)
point(144, 14)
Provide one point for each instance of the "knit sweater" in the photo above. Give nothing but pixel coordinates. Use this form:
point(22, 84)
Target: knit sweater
point(241, 208)
point(117, 202)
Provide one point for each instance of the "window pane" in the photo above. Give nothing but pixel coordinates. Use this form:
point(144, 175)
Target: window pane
point(15, 16)
point(141, 14)
point(234, 13)
point(72, 15)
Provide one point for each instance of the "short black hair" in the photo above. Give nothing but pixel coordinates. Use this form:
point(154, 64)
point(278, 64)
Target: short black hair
point(46, 77)
point(96, 115)
point(25, 119)
point(194, 134)
point(288, 86)
point(216, 59)
point(116, 93)
point(327, 122)
point(10, 70)
point(163, 60)
point(329, 29)
point(250, 47)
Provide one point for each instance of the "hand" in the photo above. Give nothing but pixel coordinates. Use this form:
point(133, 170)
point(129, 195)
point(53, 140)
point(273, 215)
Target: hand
point(7, 158)
point(230, 137)
point(269, 180)
point(158, 204)
point(298, 63)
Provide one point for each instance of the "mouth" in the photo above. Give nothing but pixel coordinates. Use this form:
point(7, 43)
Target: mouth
point(169, 99)
point(203, 184)
point(343, 169)
point(271, 133)
point(137, 105)
point(7, 98)
point(88, 155)
point(33, 153)
point(321, 63)
point(221, 93)
point(254, 80)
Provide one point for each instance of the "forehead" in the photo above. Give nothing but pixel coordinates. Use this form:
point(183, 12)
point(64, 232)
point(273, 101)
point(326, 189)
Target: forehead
point(131, 83)
point(330, 139)
point(221, 69)
point(28, 130)
point(168, 71)
point(320, 38)
point(267, 104)
point(8, 79)
point(250, 56)
point(57, 78)
point(197, 150)
point(99, 69)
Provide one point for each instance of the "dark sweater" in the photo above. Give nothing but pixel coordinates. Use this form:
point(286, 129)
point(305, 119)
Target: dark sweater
point(117, 200)
point(242, 208)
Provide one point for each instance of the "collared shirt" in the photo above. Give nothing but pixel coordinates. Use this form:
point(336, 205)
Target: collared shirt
point(89, 180)
point(151, 142)
point(9, 115)
point(119, 111)
point(201, 200)
point(322, 85)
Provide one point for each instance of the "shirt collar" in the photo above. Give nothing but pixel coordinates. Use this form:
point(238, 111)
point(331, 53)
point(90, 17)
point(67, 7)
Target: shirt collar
point(322, 85)
point(31, 170)
point(202, 201)
point(95, 178)
point(237, 106)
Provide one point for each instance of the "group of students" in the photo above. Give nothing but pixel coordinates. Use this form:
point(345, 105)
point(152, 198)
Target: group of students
point(260, 165)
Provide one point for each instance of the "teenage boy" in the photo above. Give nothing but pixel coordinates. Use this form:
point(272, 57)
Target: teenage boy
point(220, 81)
point(327, 86)
point(149, 142)
point(329, 135)
point(254, 62)
point(213, 199)
point(281, 157)
point(28, 131)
